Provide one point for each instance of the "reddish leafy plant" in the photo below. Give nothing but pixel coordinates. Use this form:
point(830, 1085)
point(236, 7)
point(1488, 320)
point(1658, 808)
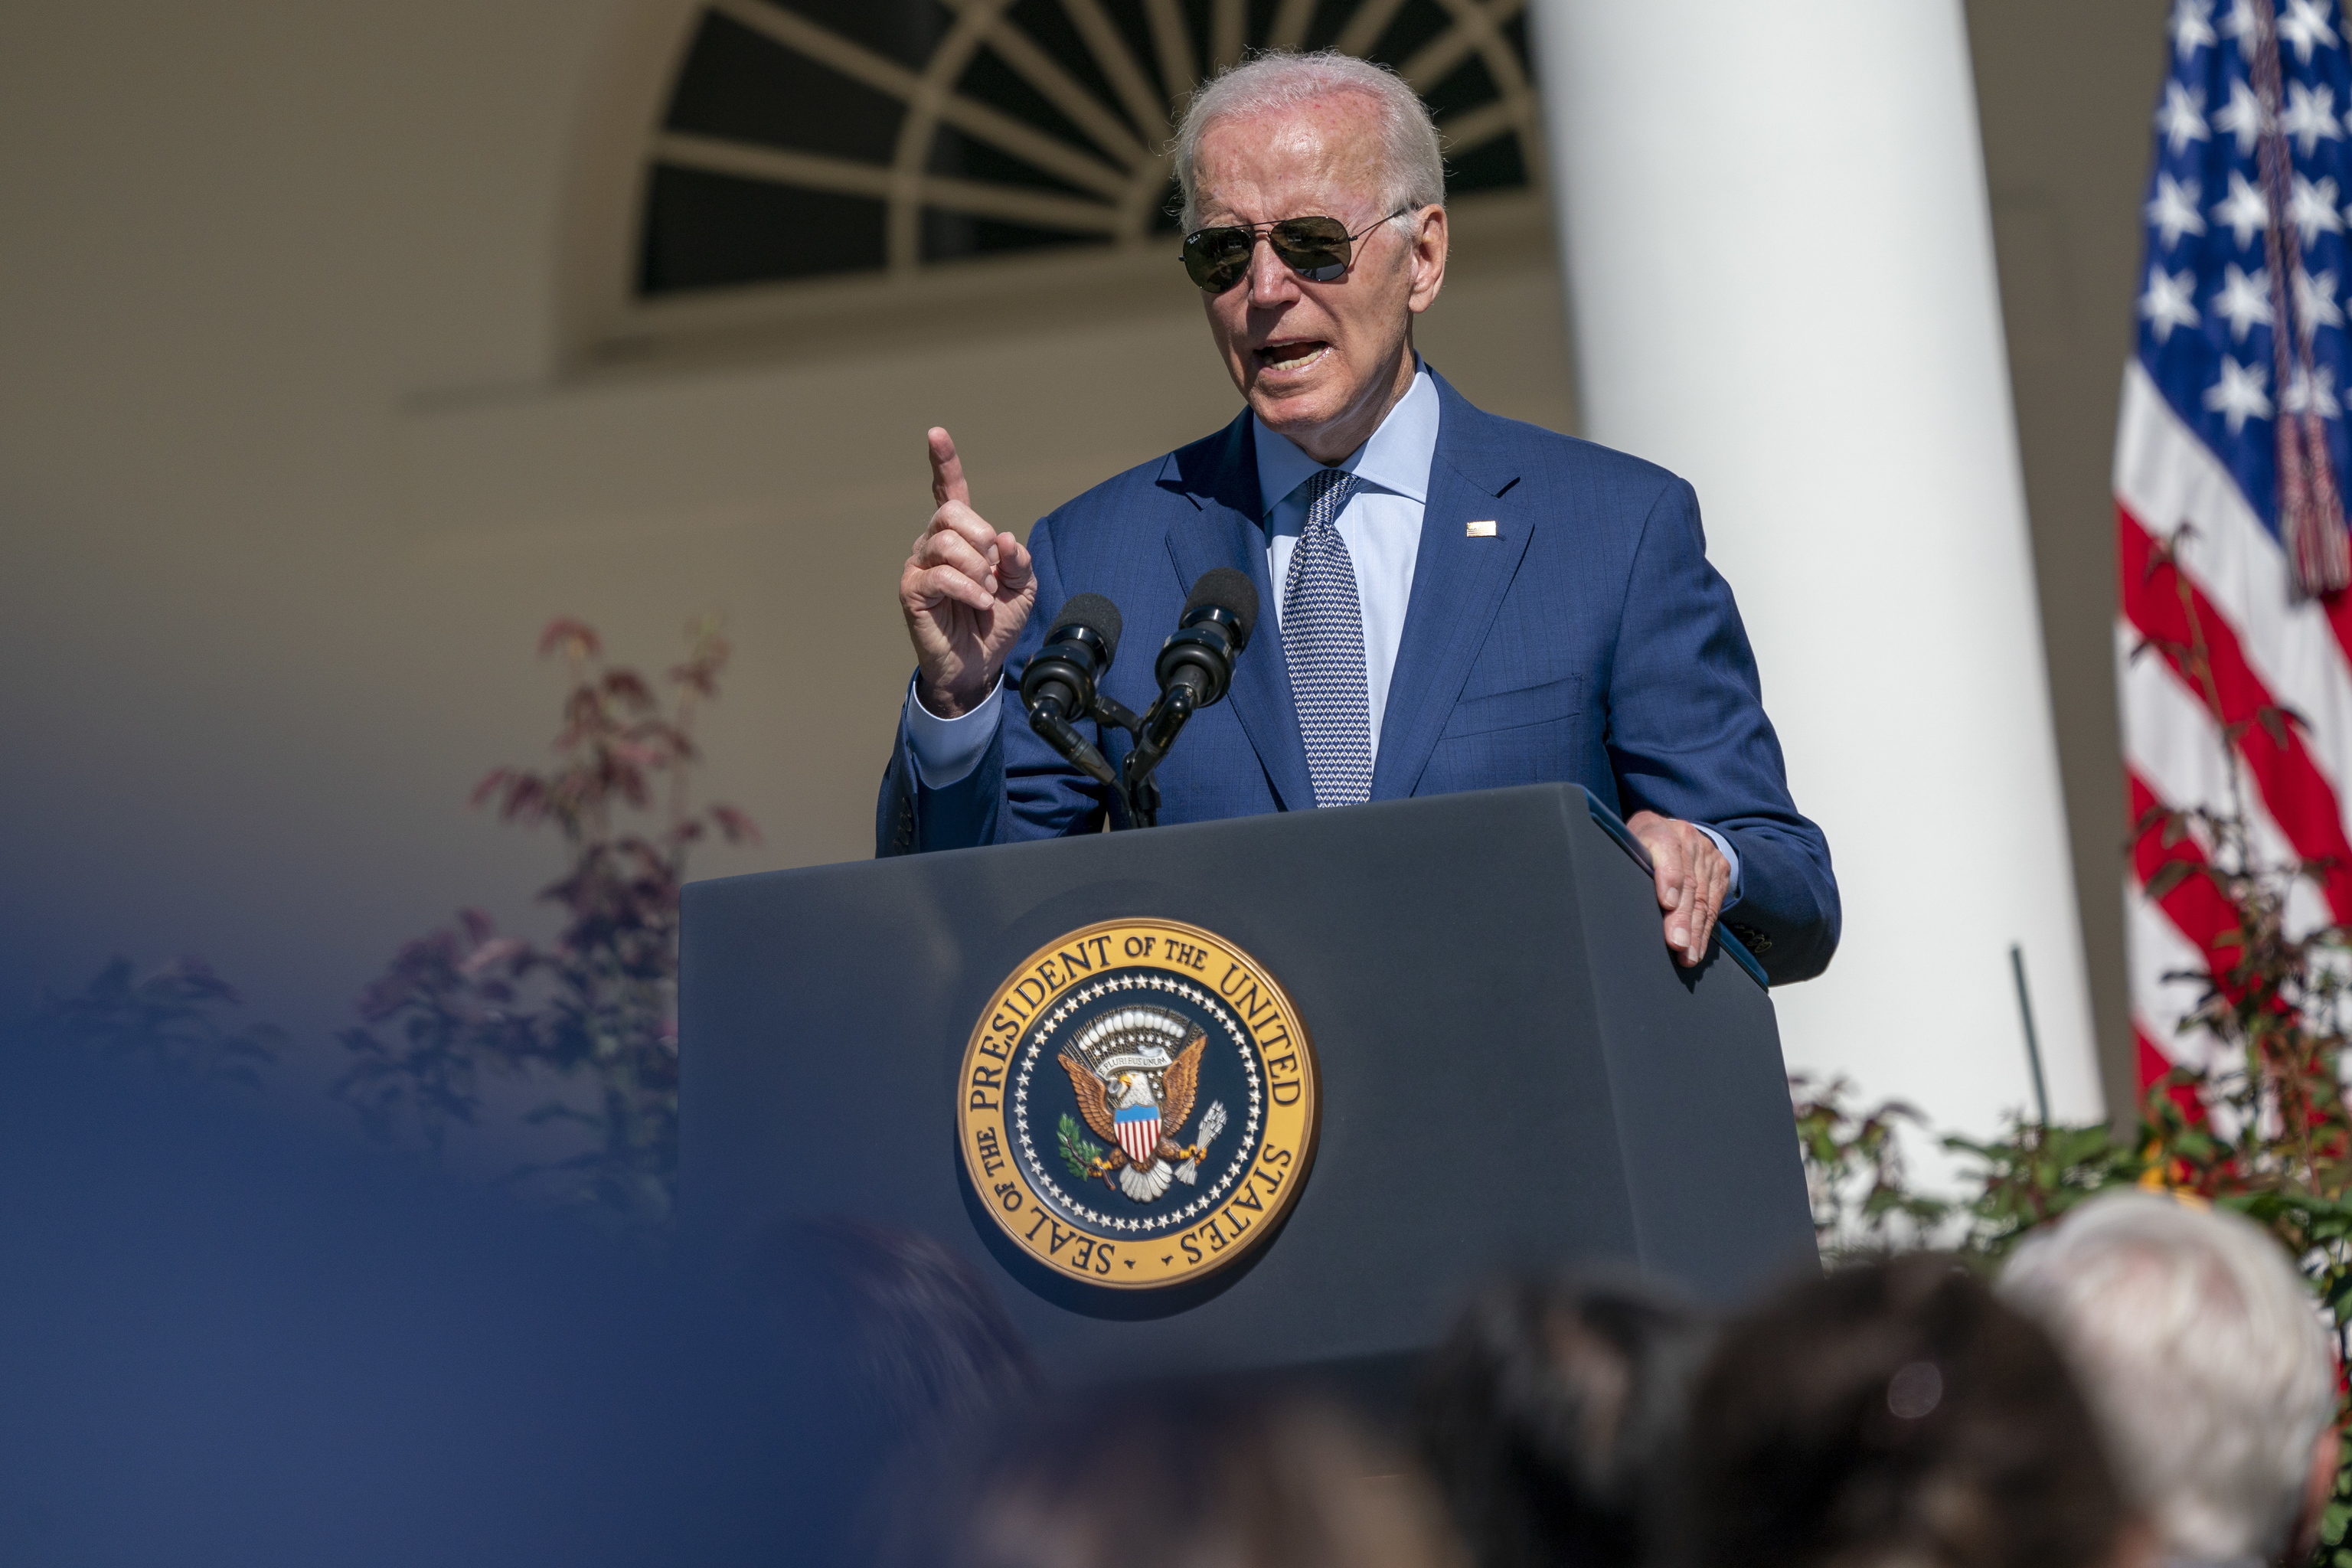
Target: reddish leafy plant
point(593, 1011)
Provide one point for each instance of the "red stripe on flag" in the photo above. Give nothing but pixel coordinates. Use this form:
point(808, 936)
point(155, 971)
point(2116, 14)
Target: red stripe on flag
point(2339, 619)
point(2153, 1066)
point(2194, 905)
point(2196, 908)
point(2153, 1063)
point(2300, 799)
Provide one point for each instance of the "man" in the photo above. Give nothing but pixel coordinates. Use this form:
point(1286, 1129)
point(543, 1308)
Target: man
point(2202, 1351)
point(1451, 601)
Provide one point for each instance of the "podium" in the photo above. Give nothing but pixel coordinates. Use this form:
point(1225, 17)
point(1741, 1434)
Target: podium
point(1510, 1069)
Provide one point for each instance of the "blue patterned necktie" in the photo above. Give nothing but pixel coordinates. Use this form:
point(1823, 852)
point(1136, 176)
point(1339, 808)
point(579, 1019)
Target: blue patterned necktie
point(1323, 644)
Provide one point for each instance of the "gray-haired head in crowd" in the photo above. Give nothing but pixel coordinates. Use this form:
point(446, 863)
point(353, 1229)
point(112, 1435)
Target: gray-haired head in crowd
point(2202, 1351)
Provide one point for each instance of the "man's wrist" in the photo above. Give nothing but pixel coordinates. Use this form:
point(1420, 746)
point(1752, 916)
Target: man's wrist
point(946, 701)
point(1730, 862)
point(945, 750)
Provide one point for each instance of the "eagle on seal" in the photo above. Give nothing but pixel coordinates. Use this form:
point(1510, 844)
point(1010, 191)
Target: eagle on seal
point(1135, 1095)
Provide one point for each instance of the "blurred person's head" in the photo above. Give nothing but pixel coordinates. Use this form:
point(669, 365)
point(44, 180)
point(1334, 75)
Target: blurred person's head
point(1553, 1420)
point(1899, 1417)
point(1159, 1476)
point(921, 1337)
point(1321, 344)
point(2200, 1348)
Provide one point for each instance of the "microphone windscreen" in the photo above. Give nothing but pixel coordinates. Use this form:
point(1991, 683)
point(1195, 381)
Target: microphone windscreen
point(1098, 615)
point(1225, 588)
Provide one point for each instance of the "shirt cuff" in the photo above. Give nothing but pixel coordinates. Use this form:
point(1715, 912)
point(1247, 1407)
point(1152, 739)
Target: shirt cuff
point(945, 749)
point(1731, 893)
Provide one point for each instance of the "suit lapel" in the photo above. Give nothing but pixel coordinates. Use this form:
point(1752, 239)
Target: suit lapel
point(1219, 475)
point(1458, 584)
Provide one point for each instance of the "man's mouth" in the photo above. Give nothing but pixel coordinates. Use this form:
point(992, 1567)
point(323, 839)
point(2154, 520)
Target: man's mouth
point(1292, 356)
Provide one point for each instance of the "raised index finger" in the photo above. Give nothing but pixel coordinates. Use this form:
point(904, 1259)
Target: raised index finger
point(947, 470)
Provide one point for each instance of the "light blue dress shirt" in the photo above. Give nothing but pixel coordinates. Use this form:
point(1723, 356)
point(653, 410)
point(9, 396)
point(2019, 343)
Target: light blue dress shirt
point(1381, 524)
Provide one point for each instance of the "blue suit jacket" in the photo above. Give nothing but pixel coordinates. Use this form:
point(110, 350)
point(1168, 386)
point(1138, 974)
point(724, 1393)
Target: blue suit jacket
point(1587, 641)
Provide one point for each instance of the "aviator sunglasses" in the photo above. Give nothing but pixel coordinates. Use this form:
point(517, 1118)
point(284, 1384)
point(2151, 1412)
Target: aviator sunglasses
point(1317, 248)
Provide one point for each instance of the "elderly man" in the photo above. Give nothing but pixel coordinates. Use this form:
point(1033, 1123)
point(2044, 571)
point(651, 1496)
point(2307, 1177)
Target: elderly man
point(2203, 1354)
point(1461, 602)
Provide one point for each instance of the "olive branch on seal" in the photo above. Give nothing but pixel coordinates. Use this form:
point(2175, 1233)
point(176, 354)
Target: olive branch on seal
point(1079, 1153)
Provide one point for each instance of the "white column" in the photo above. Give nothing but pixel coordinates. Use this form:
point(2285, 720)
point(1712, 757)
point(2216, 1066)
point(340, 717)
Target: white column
point(1780, 272)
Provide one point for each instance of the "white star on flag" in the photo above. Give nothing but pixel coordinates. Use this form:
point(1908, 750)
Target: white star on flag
point(2242, 25)
point(2238, 395)
point(2245, 209)
point(2182, 117)
point(2174, 211)
point(2167, 303)
point(2314, 299)
point(2304, 26)
point(2312, 392)
point(2309, 116)
point(2244, 299)
point(2242, 116)
point(2311, 209)
point(2191, 26)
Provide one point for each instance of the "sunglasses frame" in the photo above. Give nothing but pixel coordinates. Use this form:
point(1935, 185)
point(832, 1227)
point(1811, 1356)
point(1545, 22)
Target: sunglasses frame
point(1329, 273)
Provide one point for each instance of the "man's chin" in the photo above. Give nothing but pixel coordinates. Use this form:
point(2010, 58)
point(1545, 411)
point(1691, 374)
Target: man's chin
point(1296, 411)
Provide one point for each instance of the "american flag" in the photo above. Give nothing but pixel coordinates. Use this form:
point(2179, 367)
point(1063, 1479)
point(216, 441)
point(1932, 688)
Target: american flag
point(2229, 462)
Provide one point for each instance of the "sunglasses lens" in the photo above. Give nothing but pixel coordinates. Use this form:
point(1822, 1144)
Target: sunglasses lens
point(1315, 248)
point(1217, 259)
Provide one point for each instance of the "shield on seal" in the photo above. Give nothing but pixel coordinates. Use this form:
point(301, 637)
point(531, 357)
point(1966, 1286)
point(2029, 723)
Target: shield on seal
point(1139, 1132)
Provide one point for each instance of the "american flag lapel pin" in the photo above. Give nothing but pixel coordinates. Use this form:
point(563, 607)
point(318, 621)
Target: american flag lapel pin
point(1482, 530)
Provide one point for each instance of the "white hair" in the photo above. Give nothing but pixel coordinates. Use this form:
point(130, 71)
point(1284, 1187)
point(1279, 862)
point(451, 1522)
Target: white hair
point(1413, 166)
point(2201, 1350)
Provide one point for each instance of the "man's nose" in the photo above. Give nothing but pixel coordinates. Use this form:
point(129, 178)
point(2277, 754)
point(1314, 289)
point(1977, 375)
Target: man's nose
point(1271, 280)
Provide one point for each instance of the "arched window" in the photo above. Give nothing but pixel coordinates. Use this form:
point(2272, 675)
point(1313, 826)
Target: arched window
point(803, 139)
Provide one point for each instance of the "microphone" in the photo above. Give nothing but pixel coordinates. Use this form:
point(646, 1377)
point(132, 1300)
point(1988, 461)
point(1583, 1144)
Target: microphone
point(1059, 684)
point(1214, 628)
point(1195, 668)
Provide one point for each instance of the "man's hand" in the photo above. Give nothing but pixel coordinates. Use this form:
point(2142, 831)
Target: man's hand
point(1693, 877)
point(966, 590)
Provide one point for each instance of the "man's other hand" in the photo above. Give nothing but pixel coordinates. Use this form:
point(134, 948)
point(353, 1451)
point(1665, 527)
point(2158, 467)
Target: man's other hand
point(1693, 877)
point(966, 590)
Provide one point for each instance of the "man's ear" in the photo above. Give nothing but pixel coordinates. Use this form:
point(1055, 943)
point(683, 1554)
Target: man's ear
point(2318, 1488)
point(1430, 240)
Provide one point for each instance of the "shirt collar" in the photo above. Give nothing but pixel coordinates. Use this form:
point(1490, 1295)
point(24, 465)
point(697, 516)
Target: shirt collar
point(1397, 457)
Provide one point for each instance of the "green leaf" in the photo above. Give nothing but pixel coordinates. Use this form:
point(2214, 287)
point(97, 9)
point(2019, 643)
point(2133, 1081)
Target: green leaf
point(1078, 1152)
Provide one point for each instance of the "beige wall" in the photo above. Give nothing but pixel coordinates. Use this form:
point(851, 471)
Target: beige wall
point(304, 430)
point(292, 470)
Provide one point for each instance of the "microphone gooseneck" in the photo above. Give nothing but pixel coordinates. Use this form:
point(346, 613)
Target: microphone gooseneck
point(1061, 685)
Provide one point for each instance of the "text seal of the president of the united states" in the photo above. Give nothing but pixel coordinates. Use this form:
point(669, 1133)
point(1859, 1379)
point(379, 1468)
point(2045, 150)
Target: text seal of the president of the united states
point(1138, 1105)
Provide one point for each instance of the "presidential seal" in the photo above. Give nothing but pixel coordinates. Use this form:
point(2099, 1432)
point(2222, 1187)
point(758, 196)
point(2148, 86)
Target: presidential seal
point(1138, 1104)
